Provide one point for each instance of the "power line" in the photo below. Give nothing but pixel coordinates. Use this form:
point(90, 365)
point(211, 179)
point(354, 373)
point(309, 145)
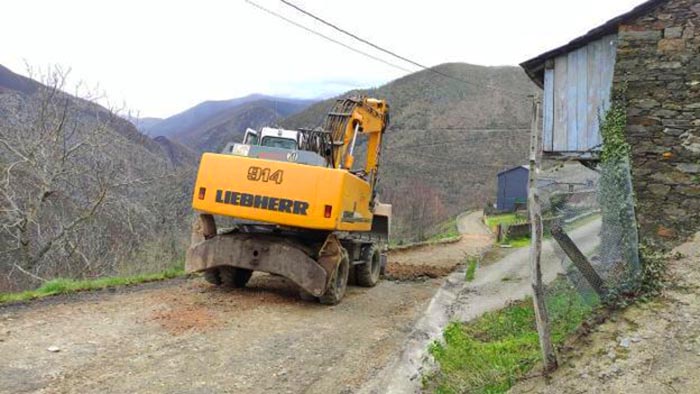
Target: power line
point(299, 25)
point(452, 142)
point(456, 128)
point(392, 53)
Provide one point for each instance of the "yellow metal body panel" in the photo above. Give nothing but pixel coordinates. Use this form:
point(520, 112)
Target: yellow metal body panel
point(283, 193)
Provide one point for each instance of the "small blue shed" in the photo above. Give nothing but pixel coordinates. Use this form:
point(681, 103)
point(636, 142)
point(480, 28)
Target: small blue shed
point(512, 188)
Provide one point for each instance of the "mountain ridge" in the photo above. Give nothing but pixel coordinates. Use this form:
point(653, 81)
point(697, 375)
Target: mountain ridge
point(210, 125)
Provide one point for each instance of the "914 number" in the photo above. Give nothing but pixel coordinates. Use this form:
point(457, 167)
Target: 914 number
point(260, 174)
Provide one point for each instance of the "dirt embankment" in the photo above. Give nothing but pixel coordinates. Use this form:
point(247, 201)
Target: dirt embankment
point(651, 348)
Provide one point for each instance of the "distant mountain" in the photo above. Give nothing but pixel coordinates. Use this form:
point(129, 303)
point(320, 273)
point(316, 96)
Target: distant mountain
point(144, 124)
point(194, 116)
point(447, 139)
point(210, 125)
point(10, 81)
point(215, 132)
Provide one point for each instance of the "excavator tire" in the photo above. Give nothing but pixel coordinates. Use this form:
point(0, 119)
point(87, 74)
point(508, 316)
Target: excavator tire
point(212, 276)
point(367, 274)
point(338, 283)
point(234, 278)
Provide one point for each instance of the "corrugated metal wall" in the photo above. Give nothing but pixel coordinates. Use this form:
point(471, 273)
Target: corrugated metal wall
point(512, 188)
point(576, 94)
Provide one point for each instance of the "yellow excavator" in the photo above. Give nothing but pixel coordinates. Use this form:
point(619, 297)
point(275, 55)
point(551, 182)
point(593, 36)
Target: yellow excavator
point(298, 203)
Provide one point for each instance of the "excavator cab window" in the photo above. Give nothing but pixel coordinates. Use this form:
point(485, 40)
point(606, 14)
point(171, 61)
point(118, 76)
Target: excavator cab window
point(251, 137)
point(277, 142)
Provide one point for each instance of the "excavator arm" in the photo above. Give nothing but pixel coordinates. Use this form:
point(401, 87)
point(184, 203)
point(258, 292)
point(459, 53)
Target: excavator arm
point(350, 117)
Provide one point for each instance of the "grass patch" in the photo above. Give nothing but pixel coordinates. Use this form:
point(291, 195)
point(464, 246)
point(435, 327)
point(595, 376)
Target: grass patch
point(506, 219)
point(472, 263)
point(488, 355)
point(445, 230)
point(520, 242)
point(64, 286)
point(442, 232)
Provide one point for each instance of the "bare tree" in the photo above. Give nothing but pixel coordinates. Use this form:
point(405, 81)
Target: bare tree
point(417, 207)
point(80, 188)
point(53, 178)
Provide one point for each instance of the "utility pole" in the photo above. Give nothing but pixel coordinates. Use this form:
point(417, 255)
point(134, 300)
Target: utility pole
point(538, 297)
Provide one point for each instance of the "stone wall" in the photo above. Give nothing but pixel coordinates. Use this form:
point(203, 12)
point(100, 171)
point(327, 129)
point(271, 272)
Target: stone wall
point(659, 58)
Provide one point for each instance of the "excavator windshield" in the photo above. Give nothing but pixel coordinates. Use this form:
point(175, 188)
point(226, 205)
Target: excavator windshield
point(278, 142)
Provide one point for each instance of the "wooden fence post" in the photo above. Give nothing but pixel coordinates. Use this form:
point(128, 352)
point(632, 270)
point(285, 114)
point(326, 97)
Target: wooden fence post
point(580, 261)
point(538, 293)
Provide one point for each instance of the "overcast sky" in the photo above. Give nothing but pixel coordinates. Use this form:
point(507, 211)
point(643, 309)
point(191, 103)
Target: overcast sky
point(161, 57)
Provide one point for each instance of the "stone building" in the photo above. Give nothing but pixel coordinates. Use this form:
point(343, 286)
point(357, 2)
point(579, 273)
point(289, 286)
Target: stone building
point(655, 51)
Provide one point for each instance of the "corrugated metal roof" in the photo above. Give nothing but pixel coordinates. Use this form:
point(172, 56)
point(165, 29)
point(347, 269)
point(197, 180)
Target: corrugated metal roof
point(535, 66)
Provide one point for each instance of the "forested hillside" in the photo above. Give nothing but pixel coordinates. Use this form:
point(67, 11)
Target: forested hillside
point(83, 193)
point(447, 139)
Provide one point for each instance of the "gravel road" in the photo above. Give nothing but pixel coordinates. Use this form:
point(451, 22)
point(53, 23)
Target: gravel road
point(185, 336)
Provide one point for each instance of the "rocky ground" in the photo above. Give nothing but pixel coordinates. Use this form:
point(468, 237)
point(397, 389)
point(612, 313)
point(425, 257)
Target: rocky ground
point(650, 348)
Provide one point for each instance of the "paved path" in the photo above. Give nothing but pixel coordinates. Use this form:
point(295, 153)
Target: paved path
point(493, 288)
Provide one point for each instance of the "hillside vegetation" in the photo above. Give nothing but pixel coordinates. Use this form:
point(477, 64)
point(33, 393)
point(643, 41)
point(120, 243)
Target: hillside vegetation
point(83, 193)
point(447, 140)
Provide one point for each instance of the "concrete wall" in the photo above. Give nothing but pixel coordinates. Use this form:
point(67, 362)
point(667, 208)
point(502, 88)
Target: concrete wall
point(658, 57)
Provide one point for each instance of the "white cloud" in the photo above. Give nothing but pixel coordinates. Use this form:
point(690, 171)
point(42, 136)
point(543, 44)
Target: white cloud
point(161, 57)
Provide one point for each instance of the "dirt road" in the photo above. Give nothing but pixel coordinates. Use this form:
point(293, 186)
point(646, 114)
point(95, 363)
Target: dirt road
point(185, 336)
point(474, 236)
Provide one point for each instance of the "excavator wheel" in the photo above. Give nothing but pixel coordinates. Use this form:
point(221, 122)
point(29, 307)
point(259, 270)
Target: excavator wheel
point(234, 278)
point(338, 283)
point(367, 274)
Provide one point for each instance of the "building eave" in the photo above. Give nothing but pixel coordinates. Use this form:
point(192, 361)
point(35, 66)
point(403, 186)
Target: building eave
point(534, 67)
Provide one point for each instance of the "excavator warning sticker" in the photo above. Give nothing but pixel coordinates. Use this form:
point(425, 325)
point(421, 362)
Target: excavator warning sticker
point(262, 202)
